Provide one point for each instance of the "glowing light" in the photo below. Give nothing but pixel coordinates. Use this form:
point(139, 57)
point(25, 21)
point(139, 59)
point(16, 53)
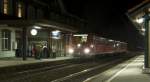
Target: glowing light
point(79, 45)
point(92, 46)
point(143, 29)
point(71, 50)
point(86, 50)
point(81, 35)
point(117, 44)
point(110, 40)
point(34, 32)
point(37, 27)
point(56, 34)
point(140, 20)
point(19, 10)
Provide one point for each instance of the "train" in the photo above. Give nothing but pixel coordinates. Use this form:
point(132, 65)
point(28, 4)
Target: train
point(87, 45)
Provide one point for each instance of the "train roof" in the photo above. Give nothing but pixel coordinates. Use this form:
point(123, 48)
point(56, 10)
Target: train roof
point(98, 37)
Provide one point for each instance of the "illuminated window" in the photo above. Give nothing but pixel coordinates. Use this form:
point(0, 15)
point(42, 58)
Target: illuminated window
point(19, 10)
point(6, 43)
point(5, 6)
point(84, 39)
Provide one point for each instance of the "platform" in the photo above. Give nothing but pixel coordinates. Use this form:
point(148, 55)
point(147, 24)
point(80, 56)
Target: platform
point(5, 62)
point(128, 71)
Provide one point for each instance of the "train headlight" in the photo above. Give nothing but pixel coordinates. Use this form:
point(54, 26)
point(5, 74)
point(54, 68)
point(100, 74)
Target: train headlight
point(78, 45)
point(86, 50)
point(71, 50)
point(92, 46)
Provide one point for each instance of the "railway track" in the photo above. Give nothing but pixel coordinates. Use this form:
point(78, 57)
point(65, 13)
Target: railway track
point(70, 72)
point(84, 74)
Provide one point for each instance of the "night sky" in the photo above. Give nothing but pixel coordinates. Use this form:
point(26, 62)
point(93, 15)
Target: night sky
point(107, 18)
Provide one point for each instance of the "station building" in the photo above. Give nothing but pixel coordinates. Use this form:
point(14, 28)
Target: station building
point(31, 28)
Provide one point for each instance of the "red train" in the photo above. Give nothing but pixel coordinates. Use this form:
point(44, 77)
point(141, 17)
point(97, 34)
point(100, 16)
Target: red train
point(89, 45)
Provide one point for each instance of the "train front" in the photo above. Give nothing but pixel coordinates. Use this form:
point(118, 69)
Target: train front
point(81, 46)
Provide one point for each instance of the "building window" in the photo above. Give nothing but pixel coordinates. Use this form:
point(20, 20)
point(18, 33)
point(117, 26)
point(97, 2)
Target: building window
point(6, 39)
point(19, 7)
point(5, 9)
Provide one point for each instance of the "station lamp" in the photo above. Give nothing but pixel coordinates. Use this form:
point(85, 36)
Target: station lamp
point(33, 32)
point(140, 20)
point(56, 34)
point(117, 44)
point(110, 40)
point(143, 29)
point(37, 27)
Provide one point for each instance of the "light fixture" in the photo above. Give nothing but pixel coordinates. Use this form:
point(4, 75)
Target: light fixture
point(140, 20)
point(56, 34)
point(143, 29)
point(117, 44)
point(92, 46)
point(33, 32)
point(37, 27)
point(78, 45)
point(110, 40)
point(82, 35)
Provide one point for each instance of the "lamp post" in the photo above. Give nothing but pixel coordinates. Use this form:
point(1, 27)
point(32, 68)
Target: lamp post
point(24, 41)
point(147, 40)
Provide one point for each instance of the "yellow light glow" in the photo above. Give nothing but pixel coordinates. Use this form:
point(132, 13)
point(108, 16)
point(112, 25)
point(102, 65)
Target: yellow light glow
point(19, 10)
point(5, 9)
point(71, 50)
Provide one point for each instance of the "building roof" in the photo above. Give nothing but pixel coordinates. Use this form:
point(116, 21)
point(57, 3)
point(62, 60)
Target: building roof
point(135, 8)
point(43, 23)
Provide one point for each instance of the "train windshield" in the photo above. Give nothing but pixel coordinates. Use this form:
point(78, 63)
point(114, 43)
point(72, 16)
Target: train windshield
point(80, 38)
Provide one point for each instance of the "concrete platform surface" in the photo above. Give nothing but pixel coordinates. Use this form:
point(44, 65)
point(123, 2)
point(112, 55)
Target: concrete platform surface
point(128, 71)
point(5, 62)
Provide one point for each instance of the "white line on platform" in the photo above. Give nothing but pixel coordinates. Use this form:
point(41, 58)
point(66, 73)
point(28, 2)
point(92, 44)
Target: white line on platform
point(114, 76)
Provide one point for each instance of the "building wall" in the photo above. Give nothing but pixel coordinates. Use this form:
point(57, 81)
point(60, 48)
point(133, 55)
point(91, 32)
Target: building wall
point(32, 10)
point(1, 6)
point(11, 52)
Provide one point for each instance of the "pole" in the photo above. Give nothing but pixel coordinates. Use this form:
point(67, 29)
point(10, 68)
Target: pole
point(24, 43)
point(147, 43)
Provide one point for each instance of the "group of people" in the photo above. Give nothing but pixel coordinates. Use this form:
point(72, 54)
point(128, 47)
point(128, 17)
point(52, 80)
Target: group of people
point(43, 53)
point(38, 52)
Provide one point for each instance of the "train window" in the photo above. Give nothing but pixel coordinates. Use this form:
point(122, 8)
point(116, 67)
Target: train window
point(84, 39)
point(81, 38)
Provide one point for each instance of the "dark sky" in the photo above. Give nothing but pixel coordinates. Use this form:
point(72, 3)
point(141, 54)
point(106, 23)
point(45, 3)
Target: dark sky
point(107, 18)
point(78, 6)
